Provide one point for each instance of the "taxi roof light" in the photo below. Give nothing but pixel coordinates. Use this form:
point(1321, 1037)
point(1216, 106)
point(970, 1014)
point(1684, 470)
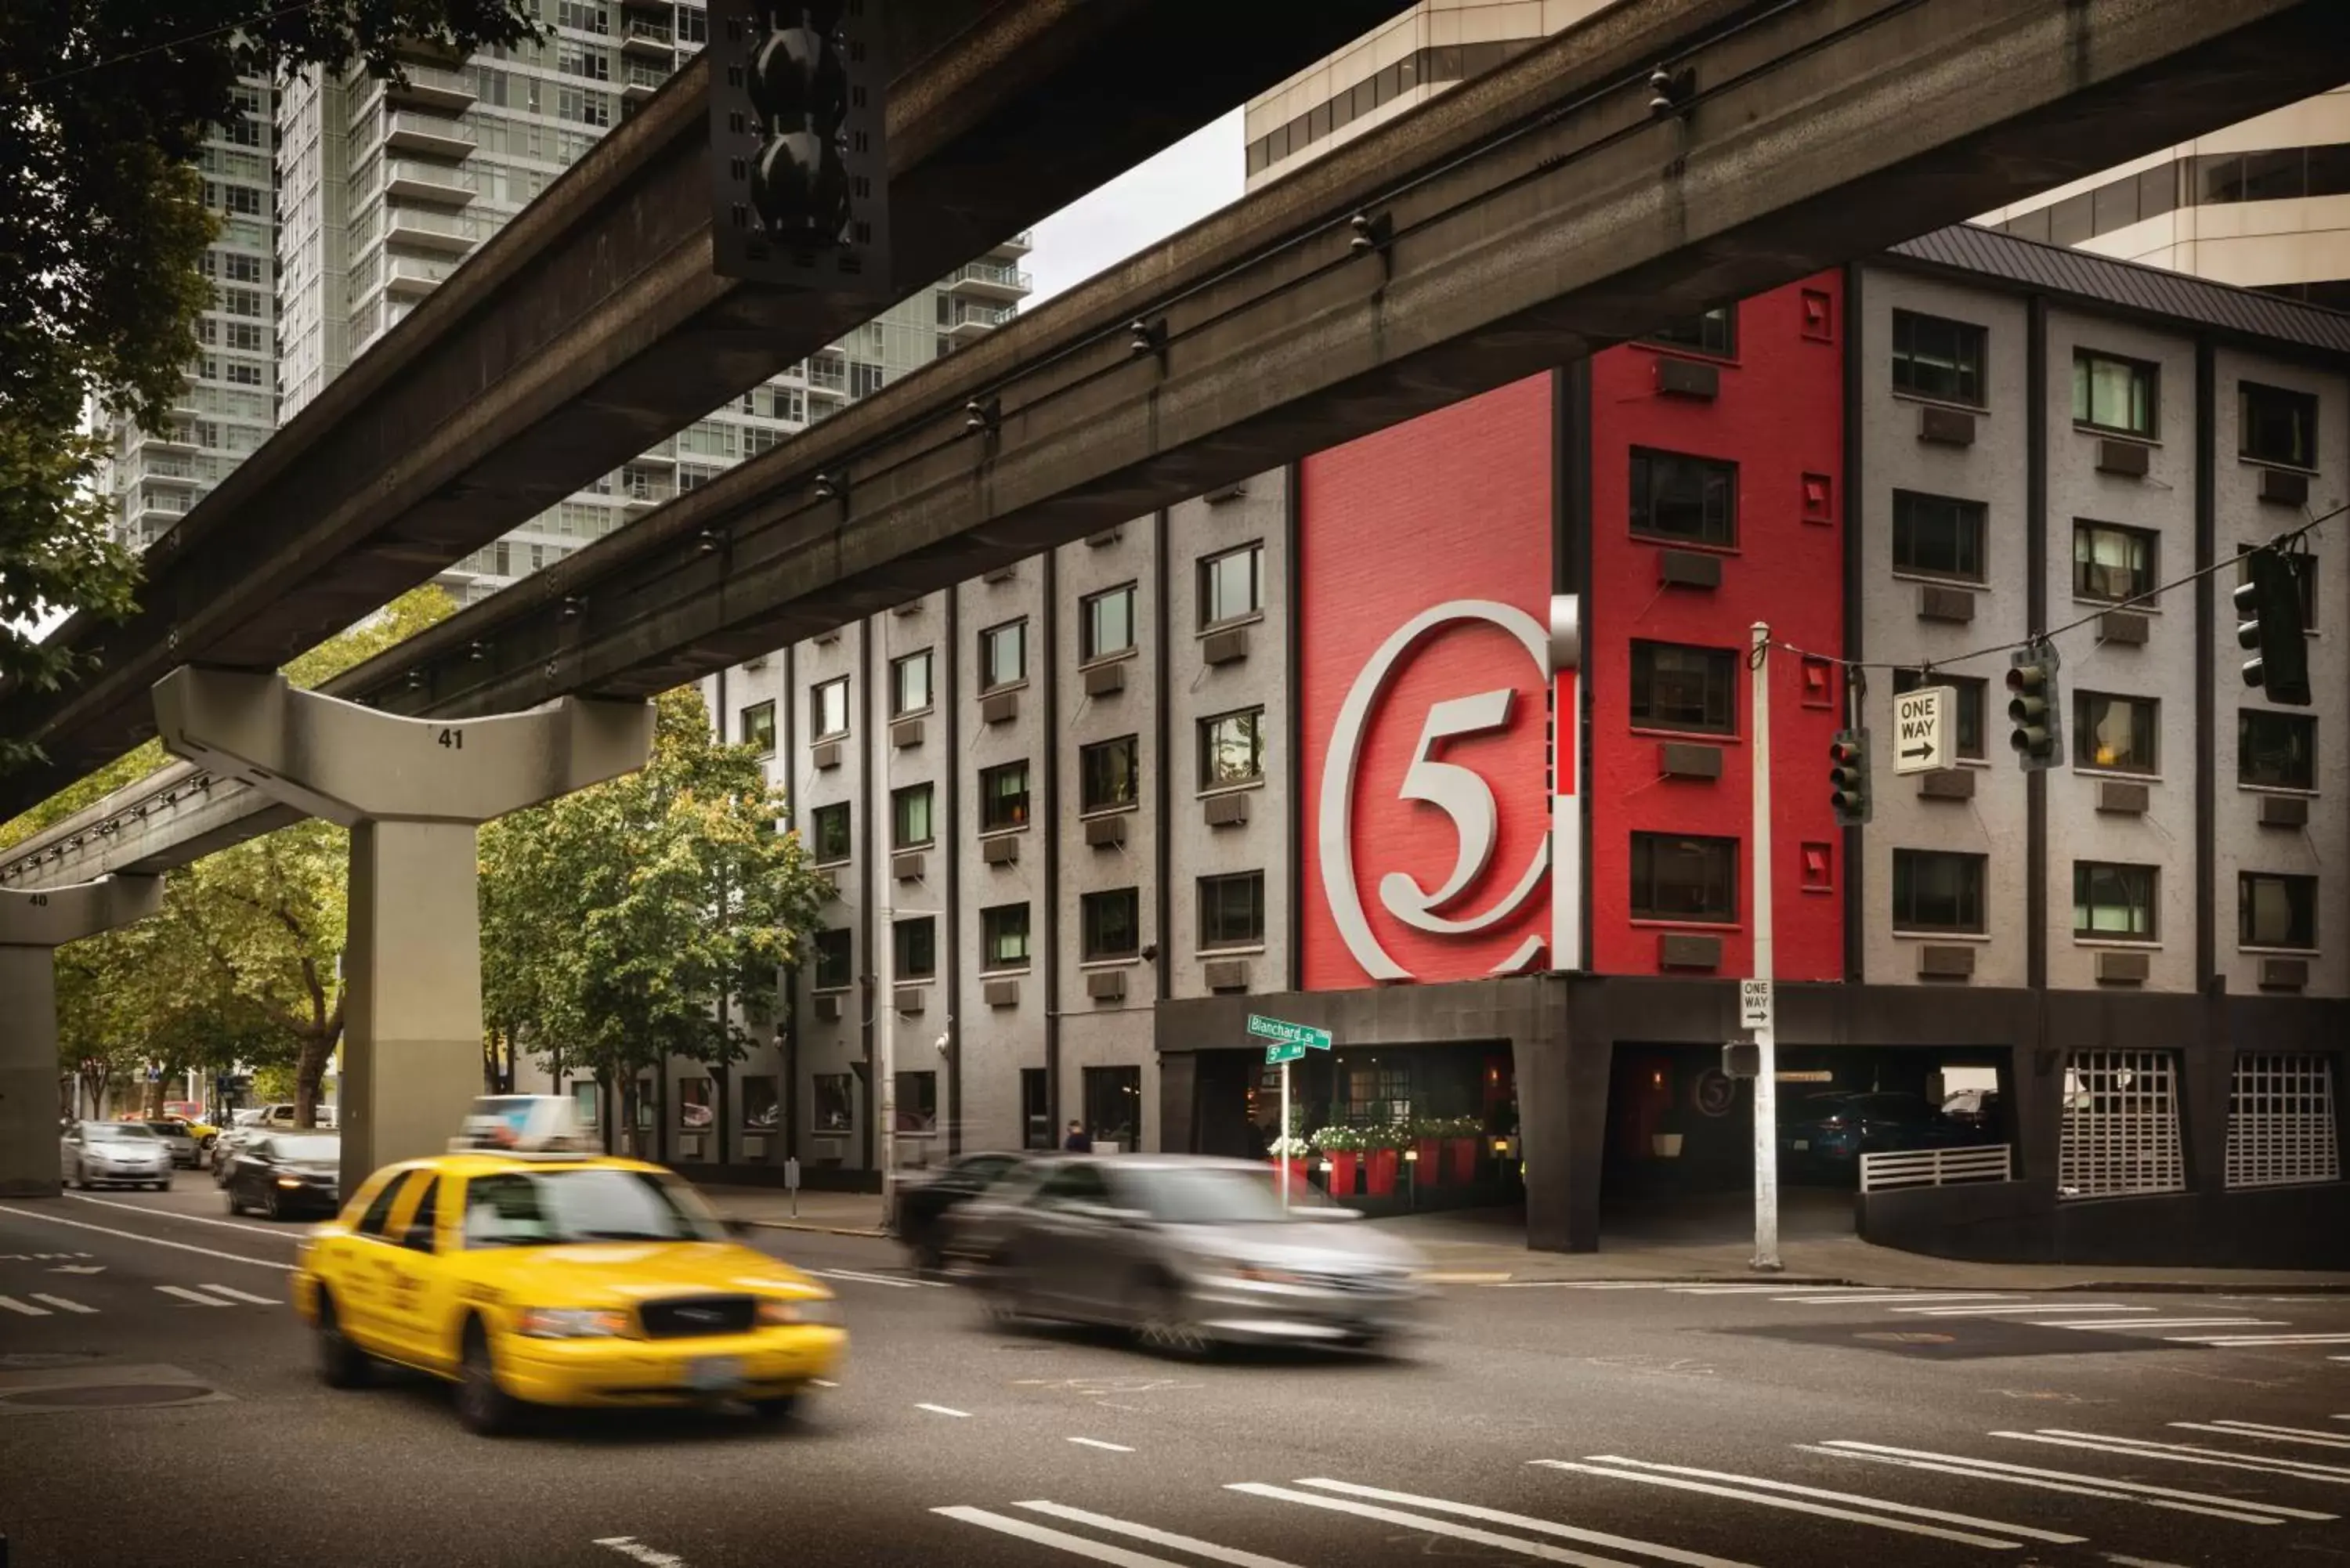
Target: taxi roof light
point(542, 1127)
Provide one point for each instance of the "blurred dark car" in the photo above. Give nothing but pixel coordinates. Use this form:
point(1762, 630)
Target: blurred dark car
point(1830, 1132)
point(1185, 1251)
point(925, 1200)
point(286, 1175)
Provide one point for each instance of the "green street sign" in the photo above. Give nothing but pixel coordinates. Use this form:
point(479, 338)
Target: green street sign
point(1281, 1051)
point(1302, 1035)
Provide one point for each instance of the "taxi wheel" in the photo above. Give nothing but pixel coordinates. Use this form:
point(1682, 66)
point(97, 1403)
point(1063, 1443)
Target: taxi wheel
point(341, 1364)
point(273, 1206)
point(779, 1408)
point(483, 1408)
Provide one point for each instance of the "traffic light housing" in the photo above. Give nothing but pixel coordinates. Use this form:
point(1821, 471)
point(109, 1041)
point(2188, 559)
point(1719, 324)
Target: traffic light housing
point(800, 189)
point(2036, 707)
point(2271, 629)
point(1849, 778)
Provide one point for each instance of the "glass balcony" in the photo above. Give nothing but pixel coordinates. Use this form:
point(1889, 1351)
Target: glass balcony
point(413, 277)
point(432, 87)
point(968, 321)
point(987, 280)
point(416, 180)
point(427, 135)
point(429, 229)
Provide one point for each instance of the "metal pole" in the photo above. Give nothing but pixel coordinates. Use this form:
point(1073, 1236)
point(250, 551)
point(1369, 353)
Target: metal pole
point(1285, 1138)
point(885, 1049)
point(1766, 1079)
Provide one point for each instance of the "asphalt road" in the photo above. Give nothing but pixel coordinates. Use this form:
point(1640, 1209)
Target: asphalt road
point(157, 1405)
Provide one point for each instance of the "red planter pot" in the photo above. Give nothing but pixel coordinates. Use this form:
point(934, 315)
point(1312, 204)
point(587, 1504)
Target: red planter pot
point(1430, 1171)
point(1301, 1167)
point(1342, 1172)
point(1379, 1172)
point(1463, 1162)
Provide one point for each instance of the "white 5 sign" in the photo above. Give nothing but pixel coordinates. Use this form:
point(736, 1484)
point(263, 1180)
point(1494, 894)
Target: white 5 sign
point(1458, 792)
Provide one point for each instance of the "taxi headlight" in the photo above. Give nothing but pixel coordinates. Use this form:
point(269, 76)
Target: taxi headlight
point(572, 1322)
point(289, 1181)
point(801, 1310)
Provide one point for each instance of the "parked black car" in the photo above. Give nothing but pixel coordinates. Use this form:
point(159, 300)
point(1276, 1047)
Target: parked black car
point(1831, 1131)
point(923, 1201)
point(286, 1173)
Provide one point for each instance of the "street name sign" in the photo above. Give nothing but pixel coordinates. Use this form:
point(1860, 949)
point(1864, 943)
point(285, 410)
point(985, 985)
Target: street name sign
point(1276, 1052)
point(1754, 1004)
point(1923, 723)
point(1303, 1035)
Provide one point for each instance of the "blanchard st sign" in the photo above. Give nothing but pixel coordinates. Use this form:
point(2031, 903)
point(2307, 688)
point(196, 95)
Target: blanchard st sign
point(1292, 1040)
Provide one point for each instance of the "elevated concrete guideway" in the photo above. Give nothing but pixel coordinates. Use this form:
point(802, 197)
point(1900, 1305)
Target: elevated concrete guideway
point(1516, 222)
point(592, 327)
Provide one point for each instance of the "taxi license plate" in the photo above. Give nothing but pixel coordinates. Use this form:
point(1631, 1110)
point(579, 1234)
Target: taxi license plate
point(1803, 1145)
point(714, 1375)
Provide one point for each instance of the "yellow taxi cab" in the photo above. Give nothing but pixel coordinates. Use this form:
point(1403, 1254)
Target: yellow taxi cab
point(551, 1278)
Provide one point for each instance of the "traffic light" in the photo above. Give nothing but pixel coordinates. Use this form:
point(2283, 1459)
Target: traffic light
point(2035, 709)
point(800, 191)
point(2271, 629)
point(1849, 778)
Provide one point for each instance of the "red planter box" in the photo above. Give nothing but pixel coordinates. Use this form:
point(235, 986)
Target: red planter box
point(1463, 1162)
point(1379, 1172)
point(1431, 1170)
point(1301, 1168)
point(1342, 1172)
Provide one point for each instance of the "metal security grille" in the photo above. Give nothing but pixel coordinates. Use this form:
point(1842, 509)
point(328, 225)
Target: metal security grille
point(2281, 1122)
point(2120, 1131)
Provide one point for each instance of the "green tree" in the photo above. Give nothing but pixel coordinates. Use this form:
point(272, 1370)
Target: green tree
point(104, 107)
point(615, 921)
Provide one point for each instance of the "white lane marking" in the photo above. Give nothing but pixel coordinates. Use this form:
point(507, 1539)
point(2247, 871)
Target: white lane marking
point(822, 1383)
point(1744, 1289)
point(2010, 1311)
point(2174, 1323)
point(629, 1546)
point(64, 1303)
point(1761, 1500)
point(150, 1240)
point(1207, 1549)
point(1098, 1443)
point(2242, 1340)
point(188, 1295)
point(943, 1410)
point(246, 1295)
point(1428, 1523)
point(2273, 1434)
point(1539, 1526)
point(2243, 1505)
point(865, 1279)
point(12, 1304)
point(1908, 1511)
point(2118, 1561)
point(2179, 1453)
point(1076, 1545)
point(1886, 1298)
point(279, 1231)
point(2052, 1480)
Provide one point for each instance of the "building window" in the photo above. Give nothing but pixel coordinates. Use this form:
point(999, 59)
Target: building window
point(910, 816)
point(2281, 1127)
point(1003, 936)
point(2119, 1130)
point(1937, 359)
point(1105, 775)
point(1969, 690)
point(2276, 911)
point(1232, 749)
point(757, 727)
point(834, 1107)
point(828, 826)
point(1003, 655)
point(762, 1106)
point(1935, 890)
point(909, 684)
point(2114, 903)
point(1715, 332)
point(2111, 564)
point(1937, 536)
point(2116, 734)
point(918, 1102)
point(914, 946)
point(1679, 688)
point(2275, 750)
point(1003, 797)
point(1112, 924)
point(1231, 910)
point(1037, 1108)
point(1231, 585)
point(829, 709)
point(1107, 625)
point(1677, 878)
point(1113, 1106)
point(836, 959)
point(1687, 500)
point(2113, 394)
point(695, 1111)
point(2274, 425)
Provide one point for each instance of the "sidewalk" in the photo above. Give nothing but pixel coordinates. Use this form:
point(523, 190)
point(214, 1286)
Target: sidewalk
point(771, 1208)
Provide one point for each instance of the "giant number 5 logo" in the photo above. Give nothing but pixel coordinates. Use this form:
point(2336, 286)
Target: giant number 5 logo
point(1453, 789)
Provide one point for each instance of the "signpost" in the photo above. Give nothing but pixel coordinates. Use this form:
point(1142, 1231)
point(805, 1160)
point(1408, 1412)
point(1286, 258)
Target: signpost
point(1754, 1010)
point(1287, 1042)
point(1923, 724)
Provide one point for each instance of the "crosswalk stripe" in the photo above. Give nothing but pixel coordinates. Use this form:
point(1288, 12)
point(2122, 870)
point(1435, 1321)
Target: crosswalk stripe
point(2005, 1468)
point(2274, 1434)
point(2179, 1453)
point(197, 1296)
point(27, 1308)
point(65, 1303)
point(1886, 1298)
point(2053, 1480)
point(2010, 1311)
point(1207, 1549)
point(1428, 1523)
point(1539, 1526)
point(1078, 1545)
point(1745, 1289)
point(1964, 1538)
point(245, 1296)
point(2240, 1341)
point(1907, 1509)
point(2173, 1322)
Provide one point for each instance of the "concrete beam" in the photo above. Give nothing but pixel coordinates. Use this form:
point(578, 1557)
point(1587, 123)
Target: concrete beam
point(591, 328)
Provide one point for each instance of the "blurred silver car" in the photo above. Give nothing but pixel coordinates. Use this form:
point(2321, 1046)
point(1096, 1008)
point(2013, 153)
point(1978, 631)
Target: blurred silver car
point(114, 1154)
point(1185, 1251)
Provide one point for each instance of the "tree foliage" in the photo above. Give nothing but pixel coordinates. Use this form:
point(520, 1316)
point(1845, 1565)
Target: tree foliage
point(104, 109)
point(615, 920)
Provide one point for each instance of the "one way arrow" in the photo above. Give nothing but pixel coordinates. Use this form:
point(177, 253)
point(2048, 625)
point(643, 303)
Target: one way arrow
point(1920, 752)
point(80, 1269)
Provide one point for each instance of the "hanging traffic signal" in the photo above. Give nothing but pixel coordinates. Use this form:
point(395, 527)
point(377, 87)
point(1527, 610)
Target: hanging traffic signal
point(2034, 709)
point(2272, 630)
point(1849, 778)
point(800, 189)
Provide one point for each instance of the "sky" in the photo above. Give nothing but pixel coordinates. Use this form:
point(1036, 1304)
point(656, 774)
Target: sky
point(1174, 190)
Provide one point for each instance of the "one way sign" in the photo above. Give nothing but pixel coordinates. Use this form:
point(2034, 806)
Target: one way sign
point(1922, 722)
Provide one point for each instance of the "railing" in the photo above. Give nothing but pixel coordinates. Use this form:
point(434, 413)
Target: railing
point(449, 176)
point(1935, 1167)
point(966, 314)
point(645, 27)
point(640, 75)
point(990, 272)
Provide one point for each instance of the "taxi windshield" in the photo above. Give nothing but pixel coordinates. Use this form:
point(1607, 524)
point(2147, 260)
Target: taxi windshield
point(552, 1208)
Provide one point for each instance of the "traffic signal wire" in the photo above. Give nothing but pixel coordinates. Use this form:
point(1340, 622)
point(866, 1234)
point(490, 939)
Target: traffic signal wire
point(2039, 639)
point(274, 14)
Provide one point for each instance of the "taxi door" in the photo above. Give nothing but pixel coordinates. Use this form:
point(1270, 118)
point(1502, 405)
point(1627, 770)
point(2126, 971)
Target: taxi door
point(348, 1264)
point(414, 1276)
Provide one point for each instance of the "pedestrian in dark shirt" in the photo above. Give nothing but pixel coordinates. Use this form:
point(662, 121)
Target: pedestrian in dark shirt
point(1078, 1142)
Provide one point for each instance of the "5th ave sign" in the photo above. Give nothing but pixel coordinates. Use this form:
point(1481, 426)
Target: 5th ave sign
point(1289, 1041)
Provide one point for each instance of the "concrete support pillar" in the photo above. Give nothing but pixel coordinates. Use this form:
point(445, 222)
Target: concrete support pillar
point(33, 926)
point(413, 792)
